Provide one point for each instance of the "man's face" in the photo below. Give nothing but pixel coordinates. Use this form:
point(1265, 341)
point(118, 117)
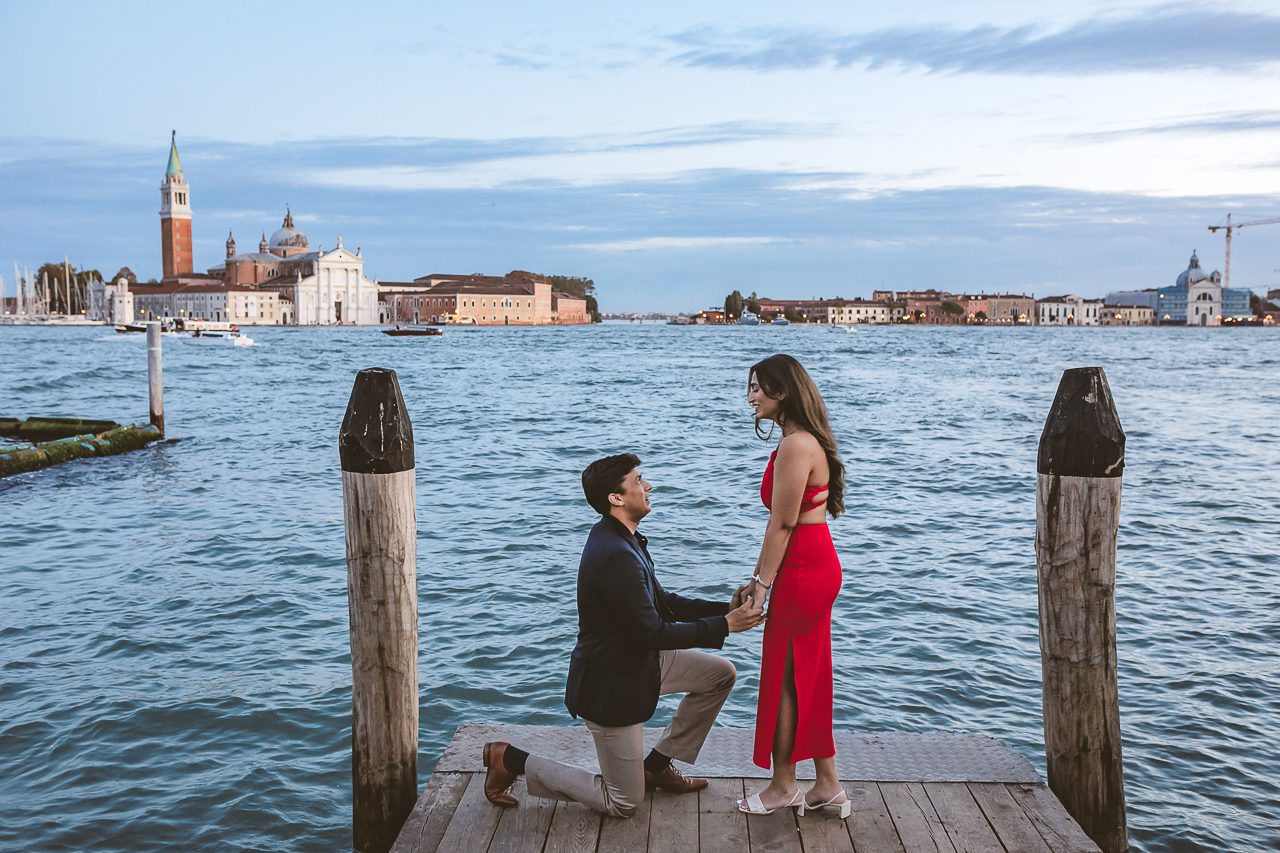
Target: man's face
point(633, 497)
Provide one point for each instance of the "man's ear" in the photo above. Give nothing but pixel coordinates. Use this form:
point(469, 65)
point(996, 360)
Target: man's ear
point(619, 500)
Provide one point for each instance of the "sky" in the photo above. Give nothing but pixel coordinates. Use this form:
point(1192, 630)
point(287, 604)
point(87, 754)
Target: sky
point(671, 152)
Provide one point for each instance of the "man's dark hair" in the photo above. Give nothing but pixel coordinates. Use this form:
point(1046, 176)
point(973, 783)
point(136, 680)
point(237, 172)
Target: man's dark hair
point(604, 477)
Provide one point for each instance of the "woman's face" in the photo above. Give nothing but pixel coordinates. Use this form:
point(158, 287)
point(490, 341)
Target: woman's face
point(766, 408)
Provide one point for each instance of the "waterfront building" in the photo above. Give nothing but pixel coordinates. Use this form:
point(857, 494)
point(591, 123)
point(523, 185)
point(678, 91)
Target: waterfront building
point(210, 300)
point(1069, 310)
point(770, 308)
point(1196, 298)
point(903, 295)
point(927, 310)
point(517, 299)
point(320, 288)
point(1128, 315)
point(850, 311)
point(1005, 309)
point(110, 303)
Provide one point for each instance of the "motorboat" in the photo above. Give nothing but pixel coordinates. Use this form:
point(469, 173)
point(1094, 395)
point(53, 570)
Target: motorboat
point(781, 321)
point(412, 331)
point(748, 319)
point(215, 332)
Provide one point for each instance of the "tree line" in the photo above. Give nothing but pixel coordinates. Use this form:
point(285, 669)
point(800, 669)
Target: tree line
point(583, 288)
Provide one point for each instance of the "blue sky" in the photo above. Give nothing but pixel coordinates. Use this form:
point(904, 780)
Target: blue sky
point(670, 151)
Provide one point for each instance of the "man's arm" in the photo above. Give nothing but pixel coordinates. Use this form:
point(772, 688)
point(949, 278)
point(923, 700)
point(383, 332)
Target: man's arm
point(692, 608)
point(620, 582)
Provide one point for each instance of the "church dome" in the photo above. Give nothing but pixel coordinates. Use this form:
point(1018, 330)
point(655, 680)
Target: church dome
point(287, 236)
point(1192, 274)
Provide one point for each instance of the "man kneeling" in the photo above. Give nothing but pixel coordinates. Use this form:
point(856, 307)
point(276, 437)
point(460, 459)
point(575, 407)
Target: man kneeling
point(635, 642)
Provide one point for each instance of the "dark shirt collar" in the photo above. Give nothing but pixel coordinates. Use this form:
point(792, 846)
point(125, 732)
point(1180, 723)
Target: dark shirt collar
point(622, 530)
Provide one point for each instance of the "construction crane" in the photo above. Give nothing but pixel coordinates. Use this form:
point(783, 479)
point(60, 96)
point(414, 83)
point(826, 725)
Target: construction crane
point(1229, 227)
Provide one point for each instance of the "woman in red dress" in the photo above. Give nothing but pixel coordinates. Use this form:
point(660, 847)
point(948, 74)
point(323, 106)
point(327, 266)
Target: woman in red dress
point(798, 572)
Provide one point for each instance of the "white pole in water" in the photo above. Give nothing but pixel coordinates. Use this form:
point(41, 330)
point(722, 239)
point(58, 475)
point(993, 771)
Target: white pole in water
point(66, 287)
point(155, 375)
point(17, 290)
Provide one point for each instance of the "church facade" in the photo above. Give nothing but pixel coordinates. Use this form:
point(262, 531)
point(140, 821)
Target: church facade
point(315, 288)
point(1196, 298)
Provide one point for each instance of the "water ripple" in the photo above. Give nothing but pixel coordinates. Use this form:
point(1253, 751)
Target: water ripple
point(174, 669)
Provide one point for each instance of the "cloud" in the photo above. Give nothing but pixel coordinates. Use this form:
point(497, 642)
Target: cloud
point(1210, 123)
point(654, 242)
point(647, 244)
point(521, 63)
point(1168, 38)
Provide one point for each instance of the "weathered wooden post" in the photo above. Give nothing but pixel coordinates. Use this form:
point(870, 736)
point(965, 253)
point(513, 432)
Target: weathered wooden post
point(1077, 515)
point(376, 449)
point(155, 375)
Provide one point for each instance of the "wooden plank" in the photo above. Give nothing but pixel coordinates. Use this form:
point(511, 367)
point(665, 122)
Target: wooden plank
point(575, 828)
point(674, 825)
point(823, 831)
point(965, 823)
point(427, 822)
point(721, 827)
point(870, 826)
point(776, 831)
point(1014, 829)
point(524, 828)
point(626, 834)
point(1050, 818)
point(473, 821)
point(915, 818)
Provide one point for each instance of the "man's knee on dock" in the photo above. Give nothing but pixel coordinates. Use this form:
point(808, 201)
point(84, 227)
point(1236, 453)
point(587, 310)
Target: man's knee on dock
point(621, 807)
point(727, 675)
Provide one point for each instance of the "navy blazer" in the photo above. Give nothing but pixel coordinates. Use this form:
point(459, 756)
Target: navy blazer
point(625, 618)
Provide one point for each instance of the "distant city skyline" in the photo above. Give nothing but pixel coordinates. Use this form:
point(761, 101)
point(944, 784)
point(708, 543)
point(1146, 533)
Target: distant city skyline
point(672, 153)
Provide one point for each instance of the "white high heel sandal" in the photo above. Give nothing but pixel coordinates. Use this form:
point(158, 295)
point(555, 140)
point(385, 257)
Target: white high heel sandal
point(753, 805)
point(840, 801)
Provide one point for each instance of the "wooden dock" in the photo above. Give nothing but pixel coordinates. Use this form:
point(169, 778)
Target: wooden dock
point(911, 792)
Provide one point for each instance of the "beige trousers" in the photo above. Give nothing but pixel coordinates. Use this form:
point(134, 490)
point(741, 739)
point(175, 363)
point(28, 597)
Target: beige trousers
point(618, 789)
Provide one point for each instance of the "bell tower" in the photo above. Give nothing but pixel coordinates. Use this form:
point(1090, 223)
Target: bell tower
point(175, 217)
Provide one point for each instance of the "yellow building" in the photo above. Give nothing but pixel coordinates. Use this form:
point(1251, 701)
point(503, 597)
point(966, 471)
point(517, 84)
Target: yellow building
point(517, 299)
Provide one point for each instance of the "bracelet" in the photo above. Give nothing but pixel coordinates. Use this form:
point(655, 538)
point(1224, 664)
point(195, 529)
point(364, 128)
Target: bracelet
point(760, 581)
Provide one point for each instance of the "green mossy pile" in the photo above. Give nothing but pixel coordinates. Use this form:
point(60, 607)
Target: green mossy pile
point(47, 429)
point(109, 443)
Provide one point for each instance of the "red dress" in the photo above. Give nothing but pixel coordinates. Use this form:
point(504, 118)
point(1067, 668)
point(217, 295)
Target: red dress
point(799, 619)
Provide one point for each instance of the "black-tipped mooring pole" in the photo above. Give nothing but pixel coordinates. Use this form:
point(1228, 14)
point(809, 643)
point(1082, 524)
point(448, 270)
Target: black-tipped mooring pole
point(1077, 516)
point(376, 449)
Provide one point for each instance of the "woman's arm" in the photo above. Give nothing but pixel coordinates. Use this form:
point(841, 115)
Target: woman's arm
point(790, 474)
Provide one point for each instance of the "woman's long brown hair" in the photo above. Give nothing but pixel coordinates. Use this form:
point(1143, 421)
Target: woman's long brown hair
point(784, 379)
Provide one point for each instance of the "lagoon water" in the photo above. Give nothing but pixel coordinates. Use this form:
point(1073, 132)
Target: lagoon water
point(173, 631)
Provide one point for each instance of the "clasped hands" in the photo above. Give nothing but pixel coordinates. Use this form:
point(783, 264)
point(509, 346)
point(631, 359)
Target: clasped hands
point(746, 608)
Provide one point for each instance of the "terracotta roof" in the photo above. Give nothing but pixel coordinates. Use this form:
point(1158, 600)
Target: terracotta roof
point(500, 288)
point(451, 277)
point(170, 288)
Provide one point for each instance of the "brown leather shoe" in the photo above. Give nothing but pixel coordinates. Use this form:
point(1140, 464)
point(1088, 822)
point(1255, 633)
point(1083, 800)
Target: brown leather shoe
point(672, 780)
point(497, 779)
